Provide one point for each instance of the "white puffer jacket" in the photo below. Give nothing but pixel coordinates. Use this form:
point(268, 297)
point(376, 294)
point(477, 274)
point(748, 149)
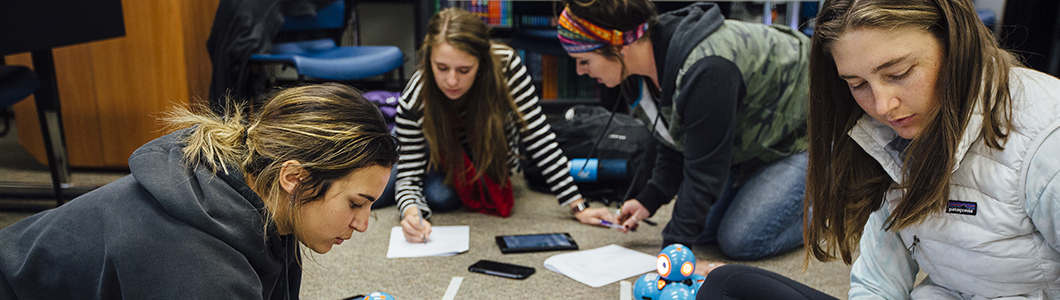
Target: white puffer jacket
point(998, 238)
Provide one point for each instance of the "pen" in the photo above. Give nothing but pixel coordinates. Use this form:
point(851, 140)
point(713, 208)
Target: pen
point(609, 224)
point(420, 213)
point(649, 222)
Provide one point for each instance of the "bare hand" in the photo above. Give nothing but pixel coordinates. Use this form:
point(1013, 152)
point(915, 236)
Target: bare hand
point(593, 216)
point(410, 225)
point(631, 213)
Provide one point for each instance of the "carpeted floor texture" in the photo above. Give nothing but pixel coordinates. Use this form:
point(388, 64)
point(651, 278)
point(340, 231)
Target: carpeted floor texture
point(360, 266)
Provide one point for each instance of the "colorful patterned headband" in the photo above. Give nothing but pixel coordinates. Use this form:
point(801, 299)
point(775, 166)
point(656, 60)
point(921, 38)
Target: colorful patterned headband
point(578, 35)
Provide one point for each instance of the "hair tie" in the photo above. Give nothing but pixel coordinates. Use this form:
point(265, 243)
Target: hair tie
point(579, 35)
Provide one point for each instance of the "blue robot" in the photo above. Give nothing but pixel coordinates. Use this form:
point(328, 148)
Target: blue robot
point(676, 262)
point(697, 281)
point(677, 291)
point(379, 296)
point(648, 287)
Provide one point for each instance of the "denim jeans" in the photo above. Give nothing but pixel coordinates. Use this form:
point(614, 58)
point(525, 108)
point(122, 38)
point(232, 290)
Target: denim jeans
point(763, 216)
point(441, 197)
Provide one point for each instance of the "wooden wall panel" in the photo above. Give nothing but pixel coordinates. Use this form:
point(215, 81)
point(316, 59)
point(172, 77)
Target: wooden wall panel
point(196, 33)
point(112, 91)
point(79, 111)
point(29, 134)
point(138, 76)
point(78, 108)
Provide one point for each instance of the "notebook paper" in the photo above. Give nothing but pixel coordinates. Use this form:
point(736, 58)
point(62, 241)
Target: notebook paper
point(443, 241)
point(601, 266)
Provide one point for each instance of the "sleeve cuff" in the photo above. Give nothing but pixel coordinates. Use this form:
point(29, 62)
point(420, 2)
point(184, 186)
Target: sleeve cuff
point(652, 198)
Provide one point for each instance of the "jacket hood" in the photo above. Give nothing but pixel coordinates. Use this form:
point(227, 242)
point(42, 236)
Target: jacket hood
point(220, 204)
point(677, 33)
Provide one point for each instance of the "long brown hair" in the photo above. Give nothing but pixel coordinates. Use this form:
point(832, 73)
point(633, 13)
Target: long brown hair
point(330, 129)
point(489, 102)
point(844, 184)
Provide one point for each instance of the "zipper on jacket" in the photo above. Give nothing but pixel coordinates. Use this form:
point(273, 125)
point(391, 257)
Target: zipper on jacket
point(912, 248)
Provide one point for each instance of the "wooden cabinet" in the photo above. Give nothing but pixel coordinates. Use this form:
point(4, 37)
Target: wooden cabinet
point(112, 91)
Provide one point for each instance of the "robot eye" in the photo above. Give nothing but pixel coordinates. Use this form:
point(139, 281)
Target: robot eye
point(663, 265)
point(687, 268)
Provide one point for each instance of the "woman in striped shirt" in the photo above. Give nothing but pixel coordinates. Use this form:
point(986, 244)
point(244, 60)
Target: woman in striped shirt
point(460, 121)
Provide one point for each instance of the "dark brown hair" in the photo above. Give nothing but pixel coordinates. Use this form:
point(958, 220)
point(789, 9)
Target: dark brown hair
point(489, 102)
point(844, 185)
point(622, 15)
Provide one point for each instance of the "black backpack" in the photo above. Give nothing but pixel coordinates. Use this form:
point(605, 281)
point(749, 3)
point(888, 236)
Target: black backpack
point(626, 138)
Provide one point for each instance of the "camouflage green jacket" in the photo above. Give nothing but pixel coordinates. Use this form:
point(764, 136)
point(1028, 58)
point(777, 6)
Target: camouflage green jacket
point(773, 63)
point(731, 94)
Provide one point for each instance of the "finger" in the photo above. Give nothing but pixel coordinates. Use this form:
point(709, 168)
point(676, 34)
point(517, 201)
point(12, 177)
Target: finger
point(630, 224)
point(416, 223)
point(426, 229)
point(642, 217)
point(410, 228)
point(598, 222)
point(412, 237)
point(622, 216)
point(609, 218)
point(603, 214)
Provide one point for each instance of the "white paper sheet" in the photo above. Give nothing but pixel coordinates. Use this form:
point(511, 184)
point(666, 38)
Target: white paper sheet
point(601, 266)
point(443, 241)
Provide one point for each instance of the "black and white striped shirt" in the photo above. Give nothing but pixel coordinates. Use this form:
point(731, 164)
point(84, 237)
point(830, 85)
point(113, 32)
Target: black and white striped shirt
point(537, 137)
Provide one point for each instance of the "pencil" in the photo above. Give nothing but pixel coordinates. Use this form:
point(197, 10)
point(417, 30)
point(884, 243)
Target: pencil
point(420, 213)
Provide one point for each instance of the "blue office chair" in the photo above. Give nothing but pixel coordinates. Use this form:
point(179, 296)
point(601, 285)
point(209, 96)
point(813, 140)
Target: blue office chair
point(323, 59)
point(16, 83)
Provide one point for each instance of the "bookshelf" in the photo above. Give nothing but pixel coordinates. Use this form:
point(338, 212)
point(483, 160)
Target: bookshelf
point(530, 27)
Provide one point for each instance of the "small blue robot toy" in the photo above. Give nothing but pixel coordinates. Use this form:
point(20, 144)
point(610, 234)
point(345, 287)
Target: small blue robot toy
point(379, 296)
point(673, 279)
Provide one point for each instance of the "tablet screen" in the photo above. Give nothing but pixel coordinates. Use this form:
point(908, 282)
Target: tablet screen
point(536, 241)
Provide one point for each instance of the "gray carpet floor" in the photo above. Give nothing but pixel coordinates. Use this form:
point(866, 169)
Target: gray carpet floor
point(360, 266)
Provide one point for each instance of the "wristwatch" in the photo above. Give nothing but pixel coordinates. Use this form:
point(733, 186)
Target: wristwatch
point(579, 207)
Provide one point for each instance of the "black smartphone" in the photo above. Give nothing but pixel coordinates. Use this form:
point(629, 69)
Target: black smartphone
point(536, 242)
point(501, 269)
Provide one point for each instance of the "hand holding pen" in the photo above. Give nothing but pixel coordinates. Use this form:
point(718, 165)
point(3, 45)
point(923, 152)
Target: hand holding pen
point(594, 216)
point(413, 225)
point(631, 213)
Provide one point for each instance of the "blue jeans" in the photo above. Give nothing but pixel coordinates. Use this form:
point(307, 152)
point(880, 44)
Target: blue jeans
point(763, 216)
point(441, 197)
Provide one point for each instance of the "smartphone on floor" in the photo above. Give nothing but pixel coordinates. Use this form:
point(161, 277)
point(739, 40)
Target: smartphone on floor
point(501, 269)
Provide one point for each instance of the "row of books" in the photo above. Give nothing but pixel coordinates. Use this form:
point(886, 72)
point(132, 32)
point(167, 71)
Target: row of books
point(538, 21)
point(555, 75)
point(494, 12)
point(557, 78)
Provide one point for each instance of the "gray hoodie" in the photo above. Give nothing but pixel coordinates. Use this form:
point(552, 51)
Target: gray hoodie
point(166, 231)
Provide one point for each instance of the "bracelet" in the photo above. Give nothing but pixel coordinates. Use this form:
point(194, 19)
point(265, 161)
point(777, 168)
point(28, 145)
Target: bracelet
point(581, 206)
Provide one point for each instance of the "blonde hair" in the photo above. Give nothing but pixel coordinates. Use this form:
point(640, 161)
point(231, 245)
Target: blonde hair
point(844, 185)
point(330, 129)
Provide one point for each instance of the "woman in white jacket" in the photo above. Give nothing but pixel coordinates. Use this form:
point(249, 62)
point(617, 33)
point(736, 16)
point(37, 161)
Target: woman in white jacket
point(934, 149)
point(931, 147)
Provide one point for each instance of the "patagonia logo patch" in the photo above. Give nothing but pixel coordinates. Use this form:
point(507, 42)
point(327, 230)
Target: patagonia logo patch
point(960, 207)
